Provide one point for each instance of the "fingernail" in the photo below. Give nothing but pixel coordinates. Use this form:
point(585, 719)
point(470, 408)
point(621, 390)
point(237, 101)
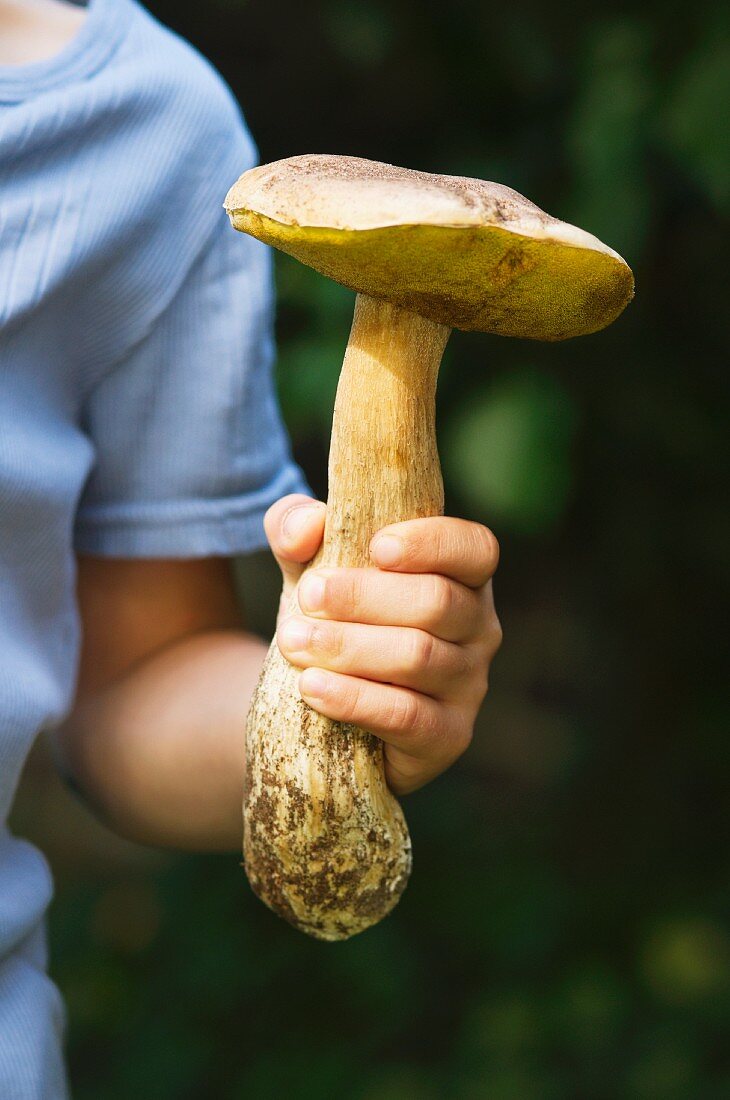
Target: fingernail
point(387, 550)
point(311, 592)
point(296, 520)
point(313, 683)
point(294, 634)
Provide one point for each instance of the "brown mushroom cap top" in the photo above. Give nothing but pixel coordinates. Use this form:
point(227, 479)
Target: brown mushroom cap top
point(463, 252)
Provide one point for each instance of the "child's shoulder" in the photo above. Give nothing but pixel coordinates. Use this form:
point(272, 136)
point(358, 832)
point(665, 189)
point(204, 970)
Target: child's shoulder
point(160, 69)
point(122, 149)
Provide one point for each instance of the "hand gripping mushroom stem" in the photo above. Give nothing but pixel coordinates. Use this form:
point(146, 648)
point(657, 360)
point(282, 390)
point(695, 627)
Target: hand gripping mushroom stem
point(325, 842)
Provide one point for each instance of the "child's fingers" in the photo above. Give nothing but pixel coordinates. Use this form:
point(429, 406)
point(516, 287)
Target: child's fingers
point(393, 655)
point(294, 527)
point(429, 602)
point(465, 552)
point(423, 728)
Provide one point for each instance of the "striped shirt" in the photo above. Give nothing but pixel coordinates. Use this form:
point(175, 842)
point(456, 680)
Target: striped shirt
point(137, 409)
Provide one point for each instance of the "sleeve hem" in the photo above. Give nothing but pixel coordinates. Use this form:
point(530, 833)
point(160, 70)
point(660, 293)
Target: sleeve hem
point(193, 529)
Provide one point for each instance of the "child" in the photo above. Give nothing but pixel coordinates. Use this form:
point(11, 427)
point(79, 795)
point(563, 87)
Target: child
point(140, 447)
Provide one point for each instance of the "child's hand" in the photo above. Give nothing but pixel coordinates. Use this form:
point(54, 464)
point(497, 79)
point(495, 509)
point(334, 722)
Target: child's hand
point(402, 650)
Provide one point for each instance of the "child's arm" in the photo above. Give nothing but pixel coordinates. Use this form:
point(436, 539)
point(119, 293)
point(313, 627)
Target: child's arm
point(156, 739)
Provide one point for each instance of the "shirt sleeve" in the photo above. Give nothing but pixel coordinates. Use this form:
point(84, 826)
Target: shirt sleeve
point(190, 449)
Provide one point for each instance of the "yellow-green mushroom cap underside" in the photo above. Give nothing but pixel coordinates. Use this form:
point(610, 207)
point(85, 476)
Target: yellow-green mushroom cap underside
point(462, 252)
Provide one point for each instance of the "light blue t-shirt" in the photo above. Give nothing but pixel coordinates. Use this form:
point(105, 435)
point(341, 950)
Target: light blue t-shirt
point(137, 410)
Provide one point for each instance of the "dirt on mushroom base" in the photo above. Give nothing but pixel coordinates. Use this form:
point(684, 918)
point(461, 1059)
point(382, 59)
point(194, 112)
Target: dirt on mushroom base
point(326, 848)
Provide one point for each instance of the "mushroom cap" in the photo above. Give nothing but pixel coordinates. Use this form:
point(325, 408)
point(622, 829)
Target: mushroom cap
point(462, 252)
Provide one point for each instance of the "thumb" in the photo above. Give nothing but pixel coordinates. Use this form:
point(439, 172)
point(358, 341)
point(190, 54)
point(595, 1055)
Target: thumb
point(294, 527)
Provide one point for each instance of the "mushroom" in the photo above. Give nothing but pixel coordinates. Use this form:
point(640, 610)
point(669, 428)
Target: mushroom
point(326, 844)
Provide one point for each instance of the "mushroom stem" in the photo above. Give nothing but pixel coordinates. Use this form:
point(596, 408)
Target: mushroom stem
point(325, 842)
point(383, 464)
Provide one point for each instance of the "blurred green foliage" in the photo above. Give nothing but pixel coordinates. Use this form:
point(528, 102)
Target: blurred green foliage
point(509, 452)
point(564, 934)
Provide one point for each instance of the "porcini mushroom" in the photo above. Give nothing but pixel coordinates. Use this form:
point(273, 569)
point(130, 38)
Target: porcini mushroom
point(325, 842)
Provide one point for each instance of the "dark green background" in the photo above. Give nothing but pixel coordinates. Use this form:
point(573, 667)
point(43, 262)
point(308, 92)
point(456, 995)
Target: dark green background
point(563, 935)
